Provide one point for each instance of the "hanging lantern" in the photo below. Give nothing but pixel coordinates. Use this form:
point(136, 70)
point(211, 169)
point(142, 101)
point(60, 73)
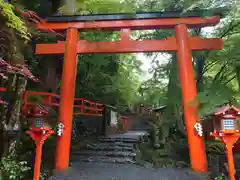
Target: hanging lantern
point(225, 119)
point(37, 116)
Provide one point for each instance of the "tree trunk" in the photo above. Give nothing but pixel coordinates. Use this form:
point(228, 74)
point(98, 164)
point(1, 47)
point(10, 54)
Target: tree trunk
point(174, 93)
point(10, 116)
point(200, 62)
point(49, 79)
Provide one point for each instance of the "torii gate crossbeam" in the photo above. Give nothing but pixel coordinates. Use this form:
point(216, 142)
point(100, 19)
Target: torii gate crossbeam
point(181, 43)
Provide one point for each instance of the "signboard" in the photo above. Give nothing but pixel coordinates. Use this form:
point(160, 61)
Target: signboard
point(114, 118)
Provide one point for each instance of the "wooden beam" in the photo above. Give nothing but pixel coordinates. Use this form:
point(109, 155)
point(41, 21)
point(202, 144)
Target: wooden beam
point(85, 47)
point(138, 15)
point(167, 23)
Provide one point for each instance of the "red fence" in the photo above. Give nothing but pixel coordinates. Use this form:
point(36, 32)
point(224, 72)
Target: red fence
point(85, 107)
point(81, 105)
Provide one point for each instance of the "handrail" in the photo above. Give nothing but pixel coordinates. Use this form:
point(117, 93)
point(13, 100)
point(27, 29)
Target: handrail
point(81, 106)
point(85, 107)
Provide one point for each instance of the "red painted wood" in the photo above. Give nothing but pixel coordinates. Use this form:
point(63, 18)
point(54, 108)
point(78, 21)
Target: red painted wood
point(130, 46)
point(189, 93)
point(236, 148)
point(80, 104)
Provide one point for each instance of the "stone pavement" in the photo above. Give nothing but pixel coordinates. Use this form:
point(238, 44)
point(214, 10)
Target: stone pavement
point(112, 171)
point(113, 158)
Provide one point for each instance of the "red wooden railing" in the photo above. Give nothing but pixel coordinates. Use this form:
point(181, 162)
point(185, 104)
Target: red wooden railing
point(81, 105)
point(86, 107)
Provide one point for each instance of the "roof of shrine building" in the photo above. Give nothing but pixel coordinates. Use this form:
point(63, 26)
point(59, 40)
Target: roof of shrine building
point(139, 15)
point(223, 109)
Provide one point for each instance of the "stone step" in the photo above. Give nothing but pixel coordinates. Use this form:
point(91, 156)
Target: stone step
point(121, 137)
point(123, 140)
point(127, 135)
point(105, 153)
point(104, 148)
point(121, 160)
point(105, 145)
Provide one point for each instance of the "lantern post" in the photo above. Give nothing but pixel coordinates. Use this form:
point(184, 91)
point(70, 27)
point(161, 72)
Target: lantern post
point(40, 130)
point(225, 129)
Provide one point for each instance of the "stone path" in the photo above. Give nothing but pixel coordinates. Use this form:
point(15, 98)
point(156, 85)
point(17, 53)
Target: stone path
point(120, 148)
point(114, 158)
point(111, 171)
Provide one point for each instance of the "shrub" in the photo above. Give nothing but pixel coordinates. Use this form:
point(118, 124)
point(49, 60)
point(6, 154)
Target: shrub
point(12, 169)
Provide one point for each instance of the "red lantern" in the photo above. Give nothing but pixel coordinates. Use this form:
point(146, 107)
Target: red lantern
point(225, 129)
point(39, 131)
point(36, 116)
point(225, 120)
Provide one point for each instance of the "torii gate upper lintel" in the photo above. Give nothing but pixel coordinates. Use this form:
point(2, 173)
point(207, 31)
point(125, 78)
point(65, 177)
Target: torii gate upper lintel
point(181, 43)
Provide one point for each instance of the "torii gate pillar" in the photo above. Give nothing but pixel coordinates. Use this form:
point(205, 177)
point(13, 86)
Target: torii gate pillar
point(67, 95)
point(189, 93)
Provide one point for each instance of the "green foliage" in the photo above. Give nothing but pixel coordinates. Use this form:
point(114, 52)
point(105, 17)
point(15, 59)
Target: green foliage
point(215, 95)
point(160, 158)
point(12, 20)
point(111, 79)
point(215, 147)
point(221, 71)
point(12, 169)
point(104, 6)
point(34, 98)
point(153, 92)
point(219, 178)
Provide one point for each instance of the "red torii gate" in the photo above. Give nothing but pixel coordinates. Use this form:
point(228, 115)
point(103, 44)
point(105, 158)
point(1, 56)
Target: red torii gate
point(181, 43)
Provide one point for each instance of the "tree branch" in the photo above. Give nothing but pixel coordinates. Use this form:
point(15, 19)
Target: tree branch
point(231, 28)
point(230, 79)
point(209, 66)
point(220, 71)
